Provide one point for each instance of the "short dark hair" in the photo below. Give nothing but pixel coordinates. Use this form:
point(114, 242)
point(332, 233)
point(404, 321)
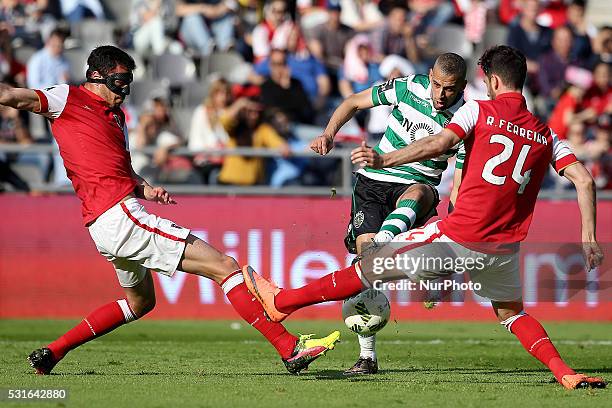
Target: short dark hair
point(508, 63)
point(452, 64)
point(58, 32)
point(107, 57)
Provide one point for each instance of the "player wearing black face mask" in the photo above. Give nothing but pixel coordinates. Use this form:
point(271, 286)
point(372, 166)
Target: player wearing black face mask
point(118, 83)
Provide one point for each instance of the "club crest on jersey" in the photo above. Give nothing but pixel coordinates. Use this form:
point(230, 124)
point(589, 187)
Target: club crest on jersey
point(387, 85)
point(358, 219)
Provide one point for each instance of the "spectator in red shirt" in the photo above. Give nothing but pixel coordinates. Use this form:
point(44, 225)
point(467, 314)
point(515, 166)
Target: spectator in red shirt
point(599, 96)
point(275, 32)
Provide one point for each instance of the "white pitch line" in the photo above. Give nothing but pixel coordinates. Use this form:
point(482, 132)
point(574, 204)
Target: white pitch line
point(494, 341)
point(472, 342)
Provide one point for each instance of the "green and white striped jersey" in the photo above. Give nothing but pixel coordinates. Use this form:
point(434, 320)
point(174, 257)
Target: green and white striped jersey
point(413, 118)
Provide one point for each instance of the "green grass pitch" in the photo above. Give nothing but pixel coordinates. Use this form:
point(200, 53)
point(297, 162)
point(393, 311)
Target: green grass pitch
point(224, 364)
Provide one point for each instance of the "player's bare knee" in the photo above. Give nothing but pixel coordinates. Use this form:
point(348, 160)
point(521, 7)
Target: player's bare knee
point(142, 305)
point(505, 310)
point(227, 266)
point(230, 263)
point(416, 193)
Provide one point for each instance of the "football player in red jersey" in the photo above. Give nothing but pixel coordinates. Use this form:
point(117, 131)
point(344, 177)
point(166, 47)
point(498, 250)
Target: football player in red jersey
point(508, 151)
point(90, 130)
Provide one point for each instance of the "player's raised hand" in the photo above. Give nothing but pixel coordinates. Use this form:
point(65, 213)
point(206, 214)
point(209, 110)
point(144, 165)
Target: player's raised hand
point(365, 156)
point(158, 194)
point(322, 144)
point(593, 255)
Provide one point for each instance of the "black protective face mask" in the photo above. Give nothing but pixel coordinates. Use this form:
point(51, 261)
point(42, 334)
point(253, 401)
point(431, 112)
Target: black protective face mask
point(118, 83)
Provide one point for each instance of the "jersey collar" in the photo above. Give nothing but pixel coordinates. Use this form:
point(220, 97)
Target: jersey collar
point(512, 95)
point(92, 95)
point(517, 96)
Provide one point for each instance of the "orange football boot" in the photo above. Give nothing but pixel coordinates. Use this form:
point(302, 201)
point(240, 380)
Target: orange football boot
point(264, 291)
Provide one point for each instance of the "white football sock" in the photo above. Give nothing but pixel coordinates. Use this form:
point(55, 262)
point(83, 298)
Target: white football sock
point(383, 236)
point(367, 346)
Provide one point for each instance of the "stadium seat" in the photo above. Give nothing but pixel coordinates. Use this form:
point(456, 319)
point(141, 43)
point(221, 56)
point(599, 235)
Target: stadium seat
point(93, 33)
point(141, 68)
point(77, 58)
point(120, 11)
point(193, 93)
point(221, 62)
point(306, 132)
point(145, 89)
point(182, 117)
point(23, 54)
point(29, 172)
point(451, 38)
point(495, 35)
point(38, 127)
point(177, 69)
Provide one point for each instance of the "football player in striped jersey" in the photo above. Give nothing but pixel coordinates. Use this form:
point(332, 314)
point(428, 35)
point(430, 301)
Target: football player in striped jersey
point(389, 201)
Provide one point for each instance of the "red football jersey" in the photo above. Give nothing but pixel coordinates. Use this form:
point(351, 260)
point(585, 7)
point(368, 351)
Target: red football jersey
point(508, 151)
point(92, 140)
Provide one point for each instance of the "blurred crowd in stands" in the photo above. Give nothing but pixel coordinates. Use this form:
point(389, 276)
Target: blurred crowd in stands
point(215, 74)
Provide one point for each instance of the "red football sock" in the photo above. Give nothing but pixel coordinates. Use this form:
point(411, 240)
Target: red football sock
point(535, 340)
point(337, 285)
point(101, 321)
point(253, 313)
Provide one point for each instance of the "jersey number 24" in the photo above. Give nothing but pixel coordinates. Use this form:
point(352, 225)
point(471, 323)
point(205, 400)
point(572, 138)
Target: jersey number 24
point(504, 156)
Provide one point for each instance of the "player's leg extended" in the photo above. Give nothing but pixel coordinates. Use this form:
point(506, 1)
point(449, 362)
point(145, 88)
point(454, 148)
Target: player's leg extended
point(140, 300)
point(339, 285)
point(535, 340)
point(413, 207)
point(367, 363)
point(204, 260)
point(369, 207)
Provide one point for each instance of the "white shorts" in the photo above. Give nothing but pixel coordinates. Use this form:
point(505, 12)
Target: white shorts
point(497, 274)
point(134, 241)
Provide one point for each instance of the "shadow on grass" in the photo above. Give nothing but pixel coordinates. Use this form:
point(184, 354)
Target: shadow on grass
point(334, 375)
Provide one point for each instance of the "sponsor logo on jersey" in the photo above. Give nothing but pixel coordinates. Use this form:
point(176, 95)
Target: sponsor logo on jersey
point(417, 130)
point(420, 130)
point(418, 100)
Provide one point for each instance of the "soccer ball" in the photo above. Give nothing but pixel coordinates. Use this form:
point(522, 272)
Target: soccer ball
point(367, 312)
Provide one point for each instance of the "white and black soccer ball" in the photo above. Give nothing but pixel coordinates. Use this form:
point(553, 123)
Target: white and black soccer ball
point(367, 312)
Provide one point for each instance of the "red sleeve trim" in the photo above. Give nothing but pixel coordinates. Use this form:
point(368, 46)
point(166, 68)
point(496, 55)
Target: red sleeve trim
point(44, 103)
point(565, 161)
point(456, 129)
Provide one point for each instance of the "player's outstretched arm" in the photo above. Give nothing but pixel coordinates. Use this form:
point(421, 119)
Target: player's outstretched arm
point(347, 109)
point(19, 98)
point(423, 149)
point(585, 189)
